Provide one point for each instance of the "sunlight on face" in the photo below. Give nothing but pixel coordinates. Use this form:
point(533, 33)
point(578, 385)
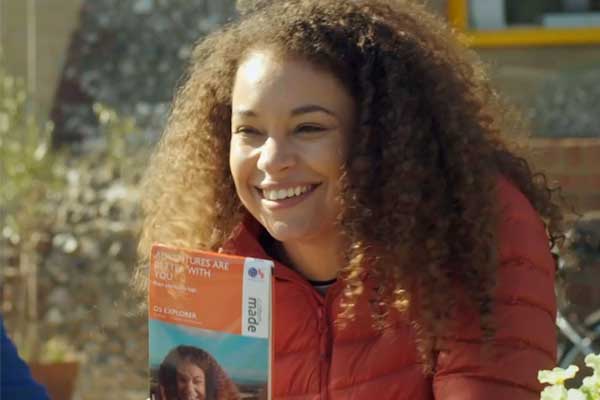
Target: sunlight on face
point(191, 382)
point(290, 127)
point(256, 68)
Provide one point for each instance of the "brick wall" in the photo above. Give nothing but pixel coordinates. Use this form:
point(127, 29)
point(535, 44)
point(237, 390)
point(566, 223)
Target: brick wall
point(575, 164)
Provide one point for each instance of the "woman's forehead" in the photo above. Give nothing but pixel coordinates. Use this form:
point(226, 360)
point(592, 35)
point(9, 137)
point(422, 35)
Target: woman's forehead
point(190, 368)
point(258, 65)
point(266, 77)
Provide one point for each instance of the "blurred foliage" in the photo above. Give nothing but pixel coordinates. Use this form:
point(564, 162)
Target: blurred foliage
point(76, 258)
point(30, 175)
point(584, 239)
point(57, 349)
point(68, 245)
point(567, 105)
point(134, 51)
point(581, 252)
point(26, 165)
point(130, 55)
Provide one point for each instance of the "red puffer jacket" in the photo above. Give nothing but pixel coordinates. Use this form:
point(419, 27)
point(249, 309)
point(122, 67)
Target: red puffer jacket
point(315, 360)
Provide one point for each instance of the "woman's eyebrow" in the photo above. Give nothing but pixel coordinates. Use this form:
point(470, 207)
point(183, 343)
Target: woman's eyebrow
point(311, 108)
point(245, 113)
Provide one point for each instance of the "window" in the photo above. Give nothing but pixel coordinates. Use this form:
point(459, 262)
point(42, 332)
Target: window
point(493, 23)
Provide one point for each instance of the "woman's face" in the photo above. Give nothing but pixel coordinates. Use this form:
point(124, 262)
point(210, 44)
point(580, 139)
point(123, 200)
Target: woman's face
point(191, 382)
point(290, 127)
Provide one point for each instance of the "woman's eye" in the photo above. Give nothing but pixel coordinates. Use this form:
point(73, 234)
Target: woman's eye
point(247, 130)
point(307, 128)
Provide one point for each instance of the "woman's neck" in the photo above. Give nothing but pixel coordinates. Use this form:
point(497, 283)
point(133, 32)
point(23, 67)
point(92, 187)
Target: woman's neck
point(316, 260)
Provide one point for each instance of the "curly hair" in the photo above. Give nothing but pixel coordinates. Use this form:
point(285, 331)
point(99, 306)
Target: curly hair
point(218, 384)
point(418, 187)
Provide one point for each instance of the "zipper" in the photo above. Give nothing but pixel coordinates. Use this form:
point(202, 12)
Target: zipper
point(324, 351)
point(326, 327)
point(324, 308)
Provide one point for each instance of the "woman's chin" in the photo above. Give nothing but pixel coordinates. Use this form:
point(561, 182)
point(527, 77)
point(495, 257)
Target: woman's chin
point(285, 235)
point(192, 397)
point(288, 231)
point(307, 229)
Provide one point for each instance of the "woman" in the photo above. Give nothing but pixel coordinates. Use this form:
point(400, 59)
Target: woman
point(190, 373)
point(357, 144)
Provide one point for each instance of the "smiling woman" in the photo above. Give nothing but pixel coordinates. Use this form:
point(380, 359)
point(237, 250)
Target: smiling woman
point(290, 128)
point(359, 146)
point(190, 373)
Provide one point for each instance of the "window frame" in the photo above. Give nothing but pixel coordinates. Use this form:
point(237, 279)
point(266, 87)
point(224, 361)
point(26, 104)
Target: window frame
point(457, 11)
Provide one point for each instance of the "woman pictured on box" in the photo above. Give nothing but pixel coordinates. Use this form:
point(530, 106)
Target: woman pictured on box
point(190, 373)
point(359, 145)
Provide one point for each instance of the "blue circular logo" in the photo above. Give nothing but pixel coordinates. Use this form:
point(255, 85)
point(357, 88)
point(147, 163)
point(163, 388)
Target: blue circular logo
point(252, 272)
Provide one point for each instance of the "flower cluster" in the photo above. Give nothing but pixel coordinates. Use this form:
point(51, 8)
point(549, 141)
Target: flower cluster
point(589, 390)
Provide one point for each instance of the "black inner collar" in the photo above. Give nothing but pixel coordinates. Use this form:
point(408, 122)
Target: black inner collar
point(322, 283)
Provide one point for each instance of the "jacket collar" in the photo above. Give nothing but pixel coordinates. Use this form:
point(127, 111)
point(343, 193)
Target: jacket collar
point(245, 241)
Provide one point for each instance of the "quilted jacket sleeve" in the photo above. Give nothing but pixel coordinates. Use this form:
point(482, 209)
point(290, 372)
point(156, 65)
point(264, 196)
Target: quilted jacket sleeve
point(524, 316)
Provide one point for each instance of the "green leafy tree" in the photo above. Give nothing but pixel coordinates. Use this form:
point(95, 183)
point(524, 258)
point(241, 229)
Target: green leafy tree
point(29, 173)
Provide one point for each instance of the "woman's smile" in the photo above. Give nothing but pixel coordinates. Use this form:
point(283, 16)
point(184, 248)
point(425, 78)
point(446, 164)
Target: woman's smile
point(285, 196)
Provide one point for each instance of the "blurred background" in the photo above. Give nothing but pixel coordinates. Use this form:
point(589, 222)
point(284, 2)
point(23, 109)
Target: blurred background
point(85, 87)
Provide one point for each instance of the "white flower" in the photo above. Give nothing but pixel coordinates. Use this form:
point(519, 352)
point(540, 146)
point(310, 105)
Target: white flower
point(576, 394)
point(558, 375)
point(555, 392)
point(589, 390)
point(593, 361)
point(591, 386)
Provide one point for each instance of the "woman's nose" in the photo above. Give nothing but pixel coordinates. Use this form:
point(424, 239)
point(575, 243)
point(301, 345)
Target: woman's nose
point(189, 387)
point(276, 155)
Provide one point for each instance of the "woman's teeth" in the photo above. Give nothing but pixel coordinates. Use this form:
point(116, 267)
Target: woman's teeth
point(285, 193)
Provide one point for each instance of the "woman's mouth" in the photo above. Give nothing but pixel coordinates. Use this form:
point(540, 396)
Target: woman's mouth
point(286, 197)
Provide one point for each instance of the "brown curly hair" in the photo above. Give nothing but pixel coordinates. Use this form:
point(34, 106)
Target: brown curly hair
point(218, 385)
point(418, 188)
